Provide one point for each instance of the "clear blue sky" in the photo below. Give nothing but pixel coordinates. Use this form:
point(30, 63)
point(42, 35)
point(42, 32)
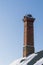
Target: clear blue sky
point(12, 27)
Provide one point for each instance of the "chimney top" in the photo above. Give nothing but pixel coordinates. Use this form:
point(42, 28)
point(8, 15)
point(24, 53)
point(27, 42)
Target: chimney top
point(28, 17)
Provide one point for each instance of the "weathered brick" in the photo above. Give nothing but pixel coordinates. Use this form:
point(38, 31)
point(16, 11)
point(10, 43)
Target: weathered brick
point(28, 35)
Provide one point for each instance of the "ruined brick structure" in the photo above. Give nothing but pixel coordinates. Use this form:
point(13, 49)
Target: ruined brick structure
point(28, 35)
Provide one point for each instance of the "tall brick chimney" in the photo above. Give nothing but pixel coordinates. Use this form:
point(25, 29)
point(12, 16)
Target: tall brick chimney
point(28, 35)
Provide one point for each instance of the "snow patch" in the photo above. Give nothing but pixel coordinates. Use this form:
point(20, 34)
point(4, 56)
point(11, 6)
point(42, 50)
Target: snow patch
point(24, 61)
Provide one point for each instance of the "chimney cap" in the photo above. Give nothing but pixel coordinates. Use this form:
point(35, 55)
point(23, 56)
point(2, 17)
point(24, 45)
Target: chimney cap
point(28, 16)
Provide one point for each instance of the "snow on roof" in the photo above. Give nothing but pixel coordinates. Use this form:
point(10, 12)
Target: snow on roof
point(17, 62)
point(24, 60)
point(32, 59)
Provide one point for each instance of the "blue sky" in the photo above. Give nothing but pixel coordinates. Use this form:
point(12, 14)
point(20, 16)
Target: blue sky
point(12, 27)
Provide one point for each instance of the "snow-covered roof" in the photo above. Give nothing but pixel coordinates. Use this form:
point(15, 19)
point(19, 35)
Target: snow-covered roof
point(33, 59)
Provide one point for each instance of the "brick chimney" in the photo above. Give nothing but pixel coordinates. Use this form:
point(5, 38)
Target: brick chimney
point(28, 35)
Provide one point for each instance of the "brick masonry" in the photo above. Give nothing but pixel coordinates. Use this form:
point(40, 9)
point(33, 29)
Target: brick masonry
point(28, 35)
